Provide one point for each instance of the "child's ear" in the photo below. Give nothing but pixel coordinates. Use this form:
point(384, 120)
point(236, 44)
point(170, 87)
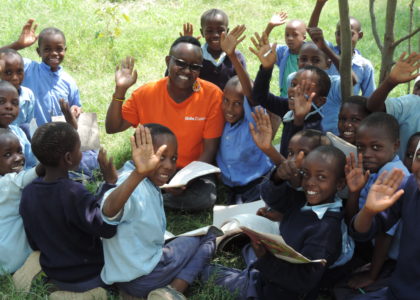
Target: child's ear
point(201, 31)
point(319, 101)
point(329, 62)
point(167, 59)
point(227, 30)
point(37, 51)
point(397, 146)
point(68, 158)
point(360, 35)
point(341, 184)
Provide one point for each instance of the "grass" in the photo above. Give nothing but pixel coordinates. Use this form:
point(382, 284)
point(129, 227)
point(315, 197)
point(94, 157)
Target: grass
point(153, 24)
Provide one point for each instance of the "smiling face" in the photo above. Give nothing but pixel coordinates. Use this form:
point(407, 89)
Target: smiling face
point(320, 178)
point(349, 120)
point(52, 50)
point(167, 165)
point(13, 69)
point(179, 76)
point(308, 76)
point(233, 103)
point(11, 155)
point(9, 105)
point(376, 147)
point(311, 55)
point(212, 30)
point(295, 35)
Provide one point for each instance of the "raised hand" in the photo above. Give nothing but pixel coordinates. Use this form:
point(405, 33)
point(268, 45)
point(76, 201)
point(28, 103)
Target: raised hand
point(317, 37)
point(65, 109)
point(125, 75)
point(384, 192)
point(404, 68)
point(107, 167)
point(229, 42)
point(278, 19)
point(262, 133)
point(144, 157)
point(265, 53)
point(355, 177)
point(27, 36)
point(303, 97)
point(188, 30)
point(289, 170)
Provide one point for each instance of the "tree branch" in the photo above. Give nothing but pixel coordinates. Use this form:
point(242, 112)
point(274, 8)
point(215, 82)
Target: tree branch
point(396, 43)
point(374, 28)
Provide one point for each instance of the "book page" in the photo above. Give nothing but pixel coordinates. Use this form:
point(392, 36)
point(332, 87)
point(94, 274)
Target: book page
point(189, 172)
point(341, 144)
point(221, 213)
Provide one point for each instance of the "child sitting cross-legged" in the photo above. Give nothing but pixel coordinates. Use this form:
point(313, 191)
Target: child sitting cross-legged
point(137, 258)
point(311, 224)
point(14, 247)
point(61, 217)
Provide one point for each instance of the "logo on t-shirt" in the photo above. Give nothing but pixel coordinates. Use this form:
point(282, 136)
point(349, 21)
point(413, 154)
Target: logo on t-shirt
point(194, 118)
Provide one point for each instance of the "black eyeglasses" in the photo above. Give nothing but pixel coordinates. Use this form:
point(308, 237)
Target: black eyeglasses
point(183, 65)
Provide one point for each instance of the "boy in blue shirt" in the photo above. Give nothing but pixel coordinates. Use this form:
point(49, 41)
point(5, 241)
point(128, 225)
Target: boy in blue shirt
point(47, 80)
point(137, 258)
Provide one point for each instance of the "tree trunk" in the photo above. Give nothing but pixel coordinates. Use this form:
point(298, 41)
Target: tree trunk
point(388, 48)
point(346, 51)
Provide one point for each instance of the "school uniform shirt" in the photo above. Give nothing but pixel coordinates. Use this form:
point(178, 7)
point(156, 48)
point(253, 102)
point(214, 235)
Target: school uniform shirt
point(30, 159)
point(26, 106)
point(331, 108)
point(137, 247)
point(286, 66)
point(221, 70)
point(239, 159)
point(49, 87)
point(406, 110)
point(404, 283)
point(14, 246)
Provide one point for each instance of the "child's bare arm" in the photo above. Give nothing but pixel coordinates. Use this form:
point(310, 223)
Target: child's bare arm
point(316, 13)
point(276, 20)
point(402, 72)
point(145, 160)
point(228, 44)
point(265, 53)
point(65, 109)
point(382, 195)
point(27, 36)
point(125, 77)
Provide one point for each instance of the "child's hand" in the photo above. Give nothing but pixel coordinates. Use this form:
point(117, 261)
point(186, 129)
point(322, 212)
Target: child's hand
point(404, 68)
point(76, 111)
point(144, 157)
point(278, 19)
point(65, 109)
point(125, 76)
point(270, 214)
point(259, 248)
point(355, 177)
point(317, 37)
point(107, 167)
point(27, 36)
point(229, 42)
point(383, 193)
point(289, 170)
point(361, 280)
point(265, 53)
point(303, 96)
point(188, 30)
point(261, 134)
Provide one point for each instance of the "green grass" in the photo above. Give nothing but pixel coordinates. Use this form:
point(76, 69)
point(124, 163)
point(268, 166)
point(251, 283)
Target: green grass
point(153, 25)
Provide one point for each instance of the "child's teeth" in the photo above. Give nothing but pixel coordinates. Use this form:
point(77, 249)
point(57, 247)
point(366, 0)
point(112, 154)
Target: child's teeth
point(183, 77)
point(311, 193)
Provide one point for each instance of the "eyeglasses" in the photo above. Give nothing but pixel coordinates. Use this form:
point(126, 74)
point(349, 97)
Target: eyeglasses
point(183, 65)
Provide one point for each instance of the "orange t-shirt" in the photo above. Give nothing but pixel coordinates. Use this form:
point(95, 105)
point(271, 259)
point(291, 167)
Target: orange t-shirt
point(198, 117)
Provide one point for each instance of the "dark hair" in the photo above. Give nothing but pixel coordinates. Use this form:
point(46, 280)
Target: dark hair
point(337, 154)
point(211, 13)
point(50, 31)
point(417, 134)
point(359, 101)
point(318, 137)
point(7, 132)
point(158, 129)
point(355, 20)
point(11, 52)
point(324, 82)
point(386, 122)
point(52, 140)
point(7, 85)
point(185, 39)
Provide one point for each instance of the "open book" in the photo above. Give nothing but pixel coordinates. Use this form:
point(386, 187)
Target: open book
point(196, 232)
point(189, 172)
point(257, 228)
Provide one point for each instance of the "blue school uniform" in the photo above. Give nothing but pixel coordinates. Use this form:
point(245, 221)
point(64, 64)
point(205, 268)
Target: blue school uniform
point(30, 159)
point(282, 55)
point(26, 106)
point(49, 87)
point(239, 159)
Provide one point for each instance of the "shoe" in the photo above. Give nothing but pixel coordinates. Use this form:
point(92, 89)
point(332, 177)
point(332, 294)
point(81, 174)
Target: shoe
point(166, 293)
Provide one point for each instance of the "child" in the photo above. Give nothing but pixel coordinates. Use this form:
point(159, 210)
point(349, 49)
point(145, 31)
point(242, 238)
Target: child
point(404, 108)
point(362, 67)
point(47, 80)
point(307, 94)
point(352, 112)
point(14, 73)
point(287, 55)
point(411, 149)
point(381, 212)
point(61, 218)
point(14, 246)
point(9, 111)
point(311, 225)
point(377, 141)
point(137, 258)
